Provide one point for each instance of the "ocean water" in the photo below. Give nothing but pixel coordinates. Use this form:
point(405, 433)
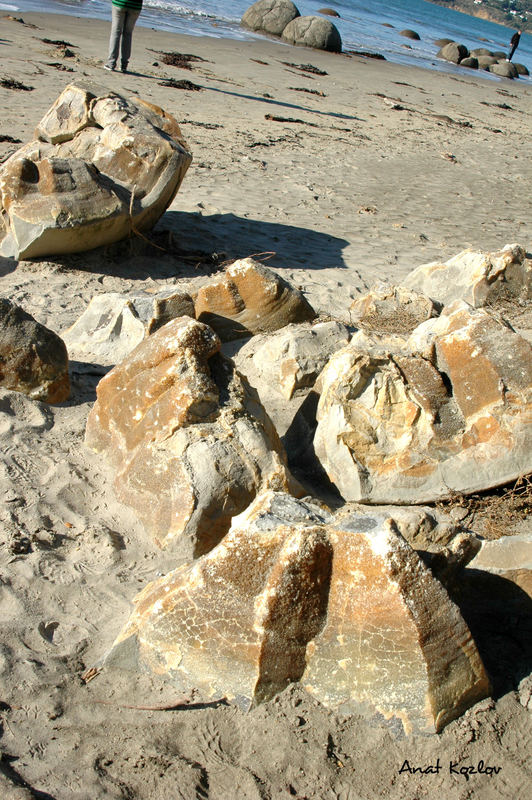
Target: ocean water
point(363, 25)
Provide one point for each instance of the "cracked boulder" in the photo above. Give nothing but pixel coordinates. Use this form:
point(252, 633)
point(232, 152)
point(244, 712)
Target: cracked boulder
point(477, 277)
point(33, 359)
point(189, 438)
point(249, 298)
point(346, 607)
point(314, 32)
point(101, 166)
point(415, 419)
point(113, 324)
point(269, 16)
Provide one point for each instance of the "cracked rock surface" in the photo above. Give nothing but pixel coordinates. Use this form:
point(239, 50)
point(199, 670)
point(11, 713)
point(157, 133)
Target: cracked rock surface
point(99, 165)
point(188, 436)
point(411, 420)
point(343, 605)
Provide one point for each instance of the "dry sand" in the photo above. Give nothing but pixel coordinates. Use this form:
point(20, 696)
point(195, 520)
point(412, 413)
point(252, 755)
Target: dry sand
point(386, 168)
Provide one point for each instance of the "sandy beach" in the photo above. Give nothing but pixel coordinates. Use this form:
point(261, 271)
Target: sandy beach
point(347, 177)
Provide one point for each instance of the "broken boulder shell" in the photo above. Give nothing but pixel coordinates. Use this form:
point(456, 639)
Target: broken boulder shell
point(249, 298)
point(189, 438)
point(478, 277)
point(291, 359)
point(347, 608)
point(412, 420)
point(101, 165)
point(391, 309)
point(113, 324)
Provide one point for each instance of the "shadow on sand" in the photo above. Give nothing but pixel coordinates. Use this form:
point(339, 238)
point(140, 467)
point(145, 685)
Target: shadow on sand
point(499, 615)
point(239, 237)
point(186, 245)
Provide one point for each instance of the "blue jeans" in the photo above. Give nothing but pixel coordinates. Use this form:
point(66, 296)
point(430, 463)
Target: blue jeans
point(122, 23)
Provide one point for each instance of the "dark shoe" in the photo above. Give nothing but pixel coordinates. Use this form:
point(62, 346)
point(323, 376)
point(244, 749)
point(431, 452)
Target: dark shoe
point(123, 68)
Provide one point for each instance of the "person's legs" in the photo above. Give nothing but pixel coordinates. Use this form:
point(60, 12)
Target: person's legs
point(117, 25)
point(512, 51)
point(127, 36)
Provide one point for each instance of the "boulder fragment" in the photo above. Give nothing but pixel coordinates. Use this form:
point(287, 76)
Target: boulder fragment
point(249, 298)
point(269, 16)
point(290, 359)
point(113, 324)
point(101, 165)
point(412, 420)
point(391, 309)
point(345, 607)
point(509, 557)
point(191, 442)
point(478, 277)
point(33, 359)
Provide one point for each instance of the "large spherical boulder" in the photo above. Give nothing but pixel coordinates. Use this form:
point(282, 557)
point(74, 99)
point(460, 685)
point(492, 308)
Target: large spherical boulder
point(505, 69)
point(454, 52)
point(521, 69)
point(269, 16)
point(313, 32)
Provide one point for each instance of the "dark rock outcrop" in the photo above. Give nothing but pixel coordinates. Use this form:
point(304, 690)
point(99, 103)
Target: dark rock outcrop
point(33, 359)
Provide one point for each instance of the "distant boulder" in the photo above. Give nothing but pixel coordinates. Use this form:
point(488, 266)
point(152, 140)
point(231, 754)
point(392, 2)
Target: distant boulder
point(470, 62)
point(33, 359)
point(410, 34)
point(480, 51)
point(269, 16)
point(521, 69)
point(313, 32)
point(442, 42)
point(330, 12)
point(453, 52)
point(505, 69)
point(484, 62)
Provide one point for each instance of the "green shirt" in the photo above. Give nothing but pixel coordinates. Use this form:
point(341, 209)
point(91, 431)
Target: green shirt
point(134, 5)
